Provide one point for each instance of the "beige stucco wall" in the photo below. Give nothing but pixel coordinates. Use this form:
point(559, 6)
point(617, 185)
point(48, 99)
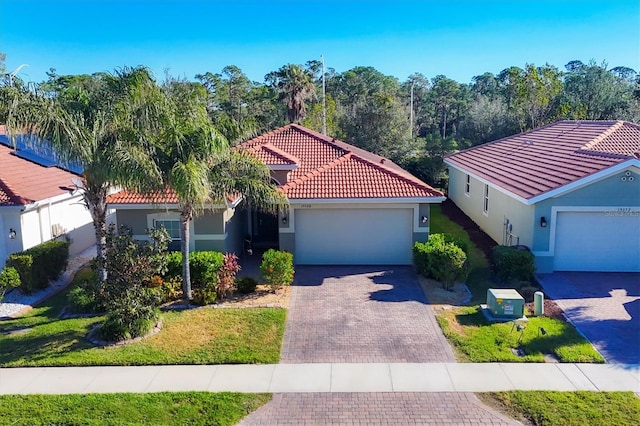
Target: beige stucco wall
point(501, 208)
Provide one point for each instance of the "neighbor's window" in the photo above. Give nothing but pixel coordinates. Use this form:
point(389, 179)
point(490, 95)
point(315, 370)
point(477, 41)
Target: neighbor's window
point(486, 198)
point(467, 185)
point(173, 228)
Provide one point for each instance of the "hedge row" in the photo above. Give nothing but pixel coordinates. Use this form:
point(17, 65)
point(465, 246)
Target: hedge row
point(512, 264)
point(442, 257)
point(39, 265)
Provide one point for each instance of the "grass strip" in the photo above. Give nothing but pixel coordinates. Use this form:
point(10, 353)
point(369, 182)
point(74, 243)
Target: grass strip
point(476, 340)
point(166, 408)
point(542, 408)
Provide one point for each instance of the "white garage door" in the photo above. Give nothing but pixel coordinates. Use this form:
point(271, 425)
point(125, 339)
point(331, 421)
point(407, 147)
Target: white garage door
point(353, 236)
point(597, 241)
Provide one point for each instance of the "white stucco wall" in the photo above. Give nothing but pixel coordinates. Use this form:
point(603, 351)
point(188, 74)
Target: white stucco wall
point(501, 208)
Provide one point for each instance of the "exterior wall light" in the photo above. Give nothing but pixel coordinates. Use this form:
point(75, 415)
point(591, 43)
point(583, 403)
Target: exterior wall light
point(12, 234)
point(543, 222)
point(424, 219)
point(284, 219)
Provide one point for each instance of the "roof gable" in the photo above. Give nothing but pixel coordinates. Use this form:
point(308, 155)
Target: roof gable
point(546, 159)
point(331, 169)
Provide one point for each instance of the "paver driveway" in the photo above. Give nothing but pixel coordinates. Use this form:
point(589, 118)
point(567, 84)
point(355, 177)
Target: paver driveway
point(361, 314)
point(604, 306)
point(366, 314)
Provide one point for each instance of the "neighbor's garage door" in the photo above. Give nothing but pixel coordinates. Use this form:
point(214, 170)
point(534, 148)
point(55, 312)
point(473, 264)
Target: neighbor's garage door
point(597, 241)
point(353, 236)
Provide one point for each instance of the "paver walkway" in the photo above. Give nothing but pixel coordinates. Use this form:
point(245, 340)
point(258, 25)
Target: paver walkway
point(357, 314)
point(361, 314)
point(604, 306)
point(376, 409)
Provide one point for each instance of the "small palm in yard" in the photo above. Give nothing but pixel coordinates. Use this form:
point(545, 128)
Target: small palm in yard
point(195, 161)
point(103, 123)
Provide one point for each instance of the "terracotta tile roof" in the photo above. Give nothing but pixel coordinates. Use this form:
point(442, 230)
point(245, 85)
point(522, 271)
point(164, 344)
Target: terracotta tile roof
point(166, 197)
point(272, 156)
point(23, 182)
point(328, 168)
point(128, 197)
point(358, 178)
point(532, 163)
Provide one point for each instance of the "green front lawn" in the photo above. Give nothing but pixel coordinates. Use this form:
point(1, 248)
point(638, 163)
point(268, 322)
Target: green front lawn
point(179, 408)
point(542, 408)
point(479, 279)
point(197, 336)
point(476, 340)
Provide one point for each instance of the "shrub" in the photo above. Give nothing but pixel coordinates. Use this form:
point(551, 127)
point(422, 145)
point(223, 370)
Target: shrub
point(171, 289)
point(227, 275)
point(86, 296)
point(277, 268)
point(128, 291)
point(9, 278)
point(128, 323)
point(511, 264)
point(174, 264)
point(204, 295)
point(442, 259)
point(246, 285)
point(47, 261)
point(23, 265)
point(204, 267)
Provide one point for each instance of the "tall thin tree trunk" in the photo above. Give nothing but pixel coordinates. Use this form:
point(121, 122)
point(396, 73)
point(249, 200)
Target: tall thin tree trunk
point(96, 198)
point(185, 218)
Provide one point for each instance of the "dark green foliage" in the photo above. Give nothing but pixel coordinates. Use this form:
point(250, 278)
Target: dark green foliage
point(128, 322)
point(512, 265)
point(442, 259)
point(86, 296)
point(9, 278)
point(130, 292)
point(23, 264)
point(246, 285)
point(277, 268)
point(203, 265)
point(47, 262)
point(174, 264)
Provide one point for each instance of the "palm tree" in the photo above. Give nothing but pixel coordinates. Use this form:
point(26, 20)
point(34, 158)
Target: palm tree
point(102, 122)
point(295, 86)
point(197, 164)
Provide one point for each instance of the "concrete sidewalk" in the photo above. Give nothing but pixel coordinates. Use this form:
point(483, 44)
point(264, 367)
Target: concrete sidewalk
point(322, 378)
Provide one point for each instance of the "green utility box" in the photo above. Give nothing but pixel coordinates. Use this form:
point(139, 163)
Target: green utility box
point(505, 303)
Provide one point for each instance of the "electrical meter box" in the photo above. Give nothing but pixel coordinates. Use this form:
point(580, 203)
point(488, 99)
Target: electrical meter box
point(505, 303)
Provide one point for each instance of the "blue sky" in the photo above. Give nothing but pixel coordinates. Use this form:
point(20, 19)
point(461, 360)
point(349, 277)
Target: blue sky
point(459, 39)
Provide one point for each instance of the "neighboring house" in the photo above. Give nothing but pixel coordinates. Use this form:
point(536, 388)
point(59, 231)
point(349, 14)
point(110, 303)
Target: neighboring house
point(569, 191)
point(38, 203)
point(347, 206)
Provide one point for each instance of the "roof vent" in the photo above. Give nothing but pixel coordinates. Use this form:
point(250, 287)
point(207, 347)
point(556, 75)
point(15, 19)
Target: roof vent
point(382, 161)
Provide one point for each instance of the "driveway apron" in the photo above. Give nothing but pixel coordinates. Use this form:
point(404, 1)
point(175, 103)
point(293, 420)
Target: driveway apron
point(366, 315)
point(361, 314)
point(604, 306)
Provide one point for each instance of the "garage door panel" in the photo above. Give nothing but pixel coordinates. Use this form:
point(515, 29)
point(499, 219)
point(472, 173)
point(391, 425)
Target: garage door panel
point(353, 236)
point(597, 241)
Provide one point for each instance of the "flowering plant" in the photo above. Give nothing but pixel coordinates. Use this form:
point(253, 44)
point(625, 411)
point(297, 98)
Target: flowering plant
point(277, 268)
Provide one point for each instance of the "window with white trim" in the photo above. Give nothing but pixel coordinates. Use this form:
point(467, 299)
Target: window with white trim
point(486, 199)
point(173, 229)
point(467, 185)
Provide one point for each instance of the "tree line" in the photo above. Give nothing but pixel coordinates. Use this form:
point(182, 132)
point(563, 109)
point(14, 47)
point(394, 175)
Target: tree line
point(415, 122)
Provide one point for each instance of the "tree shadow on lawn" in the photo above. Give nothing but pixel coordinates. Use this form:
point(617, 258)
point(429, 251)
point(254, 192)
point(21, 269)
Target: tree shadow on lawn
point(40, 348)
